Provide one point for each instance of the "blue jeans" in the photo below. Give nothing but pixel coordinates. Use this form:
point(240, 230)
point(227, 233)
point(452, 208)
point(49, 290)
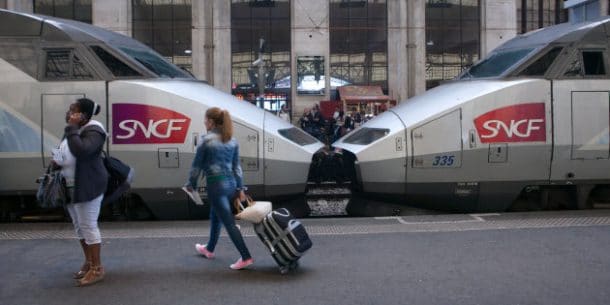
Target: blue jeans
point(220, 194)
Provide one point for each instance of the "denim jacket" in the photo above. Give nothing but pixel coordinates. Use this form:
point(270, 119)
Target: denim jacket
point(216, 160)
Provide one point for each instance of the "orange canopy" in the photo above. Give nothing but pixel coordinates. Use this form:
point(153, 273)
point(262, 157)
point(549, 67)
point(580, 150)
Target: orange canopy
point(362, 94)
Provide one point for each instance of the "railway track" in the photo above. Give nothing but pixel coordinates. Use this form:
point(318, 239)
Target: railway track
point(328, 199)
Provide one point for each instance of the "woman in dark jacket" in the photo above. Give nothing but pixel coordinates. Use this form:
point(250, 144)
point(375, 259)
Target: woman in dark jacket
point(85, 138)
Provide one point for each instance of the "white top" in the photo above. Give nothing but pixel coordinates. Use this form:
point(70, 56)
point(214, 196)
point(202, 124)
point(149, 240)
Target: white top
point(64, 158)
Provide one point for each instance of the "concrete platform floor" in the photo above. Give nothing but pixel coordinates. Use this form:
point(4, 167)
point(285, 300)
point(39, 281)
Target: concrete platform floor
point(514, 258)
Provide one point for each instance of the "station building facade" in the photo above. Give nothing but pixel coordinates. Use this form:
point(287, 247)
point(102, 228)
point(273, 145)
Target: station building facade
point(304, 49)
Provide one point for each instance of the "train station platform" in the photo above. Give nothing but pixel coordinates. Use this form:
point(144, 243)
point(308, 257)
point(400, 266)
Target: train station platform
point(513, 258)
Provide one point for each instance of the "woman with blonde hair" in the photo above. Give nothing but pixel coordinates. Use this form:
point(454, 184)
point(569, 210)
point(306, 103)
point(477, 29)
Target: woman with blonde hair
point(218, 158)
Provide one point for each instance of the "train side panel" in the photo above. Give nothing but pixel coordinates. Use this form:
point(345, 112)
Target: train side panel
point(581, 120)
point(157, 132)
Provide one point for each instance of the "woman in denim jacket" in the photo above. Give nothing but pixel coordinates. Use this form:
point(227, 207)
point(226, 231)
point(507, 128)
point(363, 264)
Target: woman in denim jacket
point(218, 158)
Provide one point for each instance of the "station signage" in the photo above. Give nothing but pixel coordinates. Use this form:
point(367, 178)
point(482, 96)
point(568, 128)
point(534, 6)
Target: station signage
point(146, 124)
point(515, 123)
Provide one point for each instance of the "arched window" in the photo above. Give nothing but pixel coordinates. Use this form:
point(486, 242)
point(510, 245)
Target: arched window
point(452, 38)
point(536, 14)
point(359, 43)
point(165, 26)
point(79, 10)
point(261, 28)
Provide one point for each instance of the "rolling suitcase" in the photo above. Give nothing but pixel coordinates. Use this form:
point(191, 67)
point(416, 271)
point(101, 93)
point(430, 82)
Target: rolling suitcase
point(285, 237)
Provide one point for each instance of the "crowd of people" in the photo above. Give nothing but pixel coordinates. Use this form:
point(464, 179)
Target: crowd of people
point(330, 129)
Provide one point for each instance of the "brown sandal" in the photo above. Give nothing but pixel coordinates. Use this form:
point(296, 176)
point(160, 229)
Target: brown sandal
point(83, 270)
point(94, 275)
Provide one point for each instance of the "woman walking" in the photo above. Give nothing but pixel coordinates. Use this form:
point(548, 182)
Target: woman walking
point(86, 177)
point(218, 158)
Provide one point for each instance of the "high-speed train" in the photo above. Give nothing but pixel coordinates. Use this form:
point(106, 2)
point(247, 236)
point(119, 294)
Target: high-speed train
point(153, 112)
point(524, 128)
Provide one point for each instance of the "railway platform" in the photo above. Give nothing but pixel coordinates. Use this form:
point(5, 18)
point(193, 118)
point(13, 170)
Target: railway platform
point(513, 258)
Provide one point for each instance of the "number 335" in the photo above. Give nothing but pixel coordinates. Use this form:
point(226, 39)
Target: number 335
point(443, 160)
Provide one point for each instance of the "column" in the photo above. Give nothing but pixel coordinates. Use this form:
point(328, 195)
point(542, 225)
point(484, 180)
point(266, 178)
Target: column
point(113, 15)
point(25, 6)
point(498, 23)
point(202, 40)
point(310, 37)
point(220, 48)
point(398, 49)
point(416, 47)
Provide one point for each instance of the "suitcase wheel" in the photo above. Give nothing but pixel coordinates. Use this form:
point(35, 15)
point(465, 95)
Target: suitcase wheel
point(284, 269)
point(293, 265)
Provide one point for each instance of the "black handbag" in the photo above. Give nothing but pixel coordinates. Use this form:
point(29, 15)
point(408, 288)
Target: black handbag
point(118, 172)
point(52, 190)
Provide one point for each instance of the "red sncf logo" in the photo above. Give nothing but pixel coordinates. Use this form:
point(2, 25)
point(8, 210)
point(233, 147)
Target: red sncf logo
point(516, 123)
point(146, 124)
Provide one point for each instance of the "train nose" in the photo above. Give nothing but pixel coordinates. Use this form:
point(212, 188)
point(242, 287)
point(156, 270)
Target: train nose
point(332, 165)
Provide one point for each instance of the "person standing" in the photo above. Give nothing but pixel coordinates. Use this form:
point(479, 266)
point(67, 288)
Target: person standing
point(85, 139)
point(284, 114)
point(218, 158)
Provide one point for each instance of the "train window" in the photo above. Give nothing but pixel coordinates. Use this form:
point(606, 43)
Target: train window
point(155, 63)
point(496, 64)
point(64, 64)
point(366, 135)
point(594, 62)
point(78, 69)
point(116, 66)
point(58, 64)
point(574, 68)
point(539, 67)
point(297, 136)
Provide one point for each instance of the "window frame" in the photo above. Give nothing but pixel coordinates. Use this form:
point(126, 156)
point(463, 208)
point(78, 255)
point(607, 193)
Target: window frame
point(144, 73)
point(73, 52)
point(150, 34)
point(73, 5)
point(578, 54)
point(369, 68)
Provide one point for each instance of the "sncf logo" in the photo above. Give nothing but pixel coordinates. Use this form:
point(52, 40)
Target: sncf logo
point(145, 124)
point(517, 123)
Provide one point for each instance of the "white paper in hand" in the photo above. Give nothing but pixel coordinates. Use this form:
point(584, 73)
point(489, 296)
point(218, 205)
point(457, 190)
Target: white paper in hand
point(194, 196)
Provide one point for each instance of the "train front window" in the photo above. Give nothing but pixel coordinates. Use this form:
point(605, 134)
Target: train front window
point(297, 136)
point(115, 65)
point(540, 66)
point(365, 135)
point(62, 64)
point(593, 62)
point(496, 64)
point(154, 63)
point(58, 64)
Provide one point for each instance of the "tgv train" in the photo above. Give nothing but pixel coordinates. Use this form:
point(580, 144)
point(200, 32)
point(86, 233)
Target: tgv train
point(525, 127)
point(153, 112)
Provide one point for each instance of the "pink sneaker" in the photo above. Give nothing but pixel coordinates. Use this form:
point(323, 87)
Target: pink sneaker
point(204, 251)
point(241, 264)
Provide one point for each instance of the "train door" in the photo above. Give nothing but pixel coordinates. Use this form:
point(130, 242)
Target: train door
point(53, 116)
point(249, 157)
point(581, 120)
point(66, 74)
point(437, 163)
point(55, 99)
point(286, 161)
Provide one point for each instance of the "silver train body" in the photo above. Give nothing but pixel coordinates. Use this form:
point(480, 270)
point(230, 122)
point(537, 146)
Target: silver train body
point(152, 110)
point(526, 126)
